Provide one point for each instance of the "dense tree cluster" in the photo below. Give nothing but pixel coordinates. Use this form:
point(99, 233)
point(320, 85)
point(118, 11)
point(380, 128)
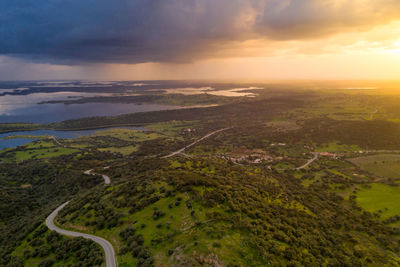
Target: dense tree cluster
point(134, 245)
point(376, 134)
point(51, 247)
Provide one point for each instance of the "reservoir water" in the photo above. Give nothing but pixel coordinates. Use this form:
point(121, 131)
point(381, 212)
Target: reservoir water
point(7, 142)
point(47, 113)
point(19, 107)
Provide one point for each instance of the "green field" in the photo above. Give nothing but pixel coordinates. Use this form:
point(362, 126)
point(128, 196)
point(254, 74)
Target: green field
point(40, 144)
point(339, 109)
point(172, 128)
point(128, 135)
point(126, 150)
point(336, 147)
point(386, 165)
point(40, 149)
point(43, 153)
point(122, 141)
point(382, 198)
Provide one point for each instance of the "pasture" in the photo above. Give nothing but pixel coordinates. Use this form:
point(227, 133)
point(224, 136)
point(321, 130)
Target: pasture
point(385, 165)
point(381, 198)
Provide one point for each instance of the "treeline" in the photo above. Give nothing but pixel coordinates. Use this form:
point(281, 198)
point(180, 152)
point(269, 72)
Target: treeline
point(224, 115)
point(167, 99)
point(108, 99)
point(15, 127)
point(376, 134)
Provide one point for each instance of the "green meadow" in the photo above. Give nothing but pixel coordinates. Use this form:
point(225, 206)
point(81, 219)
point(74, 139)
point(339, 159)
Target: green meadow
point(386, 165)
point(381, 198)
point(336, 147)
point(43, 153)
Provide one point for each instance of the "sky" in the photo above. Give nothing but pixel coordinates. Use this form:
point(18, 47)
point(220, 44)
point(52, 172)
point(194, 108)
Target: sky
point(199, 39)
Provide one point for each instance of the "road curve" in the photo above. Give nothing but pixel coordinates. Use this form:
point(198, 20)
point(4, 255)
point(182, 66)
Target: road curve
point(111, 260)
point(195, 142)
point(373, 113)
point(56, 140)
point(107, 247)
point(316, 155)
point(107, 179)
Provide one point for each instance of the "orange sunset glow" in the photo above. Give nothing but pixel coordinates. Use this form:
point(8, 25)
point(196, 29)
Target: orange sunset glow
point(262, 39)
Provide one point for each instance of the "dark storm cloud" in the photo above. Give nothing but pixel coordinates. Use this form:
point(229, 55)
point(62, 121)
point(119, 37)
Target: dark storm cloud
point(134, 31)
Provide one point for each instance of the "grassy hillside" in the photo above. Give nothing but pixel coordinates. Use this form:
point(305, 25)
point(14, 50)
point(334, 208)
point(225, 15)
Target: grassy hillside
point(192, 211)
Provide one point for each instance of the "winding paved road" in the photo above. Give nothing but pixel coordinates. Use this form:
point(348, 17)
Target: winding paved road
point(195, 142)
point(107, 179)
point(316, 155)
point(56, 140)
point(373, 113)
point(107, 247)
point(111, 260)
